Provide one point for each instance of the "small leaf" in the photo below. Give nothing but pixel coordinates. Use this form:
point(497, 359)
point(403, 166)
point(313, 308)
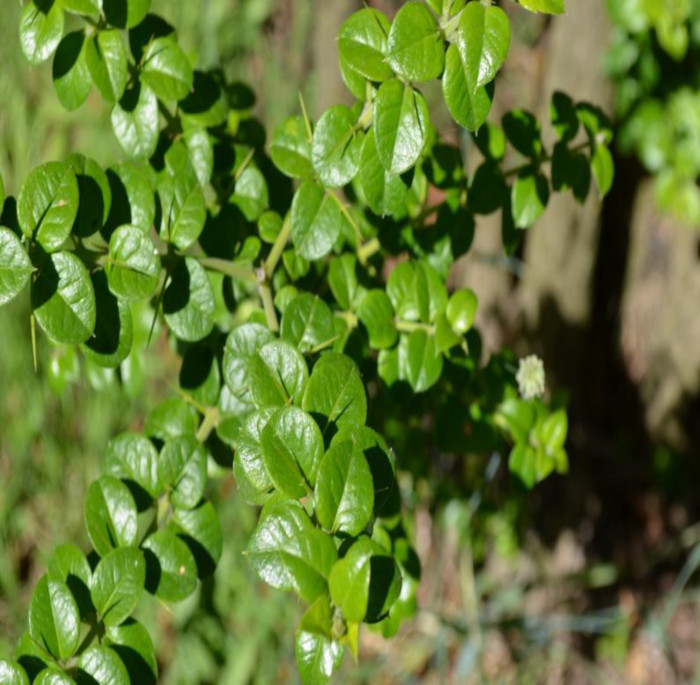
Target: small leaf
point(335, 150)
point(546, 6)
point(200, 529)
point(563, 115)
point(84, 7)
point(171, 571)
point(133, 201)
point(529, 198)
point(182, 471)
point(335, 395)
point(289, 553)
point(184, 210)
point(291, 149)
point(12, 673)
point(485, 31)
point(384, 191)
point(344, 490)
point(40, 29)
point(292, 447)
point(110, 515)
point(166, 70)
point(136, 121)
point(15, 267)
point(191, 319)
point(206, 105)
point(71, 76)
point(362, 44)
point(101, 666)
point(126, 13)
point(315, 221)
point(251, 195)
point(117, 584)
point(422, 362)
point(133, 270)
point(133, 457)
point(249, 465)
point(415, 49)
point(278, 375)
point(94, 195)
point(377, 316)
point(318, 655)
point(132, 643)
point(401, 121)
point(54, 621)
point(461, 310)
point(242, 344)
point(52, 676)
point(603, 169)
point(307, 322)
point(342, 279)
point(63, 299)
point(523, 132)
point(107, 62)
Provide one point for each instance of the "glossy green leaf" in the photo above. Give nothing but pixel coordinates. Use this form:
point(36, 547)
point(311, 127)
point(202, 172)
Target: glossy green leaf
point(529, 198)
point(377, 315)
point(63, 299)
point(251, 195)
point(110, 343)
point(107, 62)
point(318, 655)
point(342, 279)
point(133, 457)
point(12, 673)
point(365, 582)
point(278, 375)
point(171, 571)
point(415, 50)
point(184, 210)
point(362, 44)
point(182, 471)
point(469, 105)
point(132, 643)
point(191, 319)
point(336, 145)
point(384, 190)
point(71, 76)
point(335, 395)
point(292, 447)
point(291, 148)
point(422, 362)
point(603, 169)
point(289, 553)
point(110, 515)
point(249, 464)
point(546, 6)
point(401, 121)
point(461, 310)
point(315, 221)
point(242, 344)
point(416, 291)
point(171, 418)
point(125, 13)
point(117, 584)
point(133, 200)
point(54, 621)
point(344, 491)
point(166, 70)
point(523, 463)
point(68, 560)
point(200, 529)
point(85, 7)
point(136, 121)
point(94, 193)
point(48, 204)
point(518, 417)
point(15, 267)
point(52, 676)
point(484, 40)
point(307, 322)
point(101, 666)
point(40, 29)
point(133, 269)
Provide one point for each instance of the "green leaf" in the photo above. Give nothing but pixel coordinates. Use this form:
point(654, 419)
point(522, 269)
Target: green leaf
point(132, 643)
point(318, 655)
point(126, 13)
point(206, 105)
point(136, 121)
point(191, 319)
point(117, 584)
point(518, 417)
point(133, 201)
point(15, 267)
point(54, 621)
point(251, 195)
point(171, 418)
point(63, 300)
point(12, 673)
point(101, 666)
point(377, 316)
point(71, 76)
point(182, 471)
point(315, 221)
point(85, 7)
point(292, 447)
point(485, 33)
point(603, 169)
point(166, 70)
point(546, 6)
point(553, 430)
point(40, 29)
point(342, 279)
point(336, 145)
point(184, 210)
point(529, 198)
point(384, 191)
point(523, 132)
point(52, 676)
point(523, 463)
point(133, 457)
point(48, 204)
point(171, 572)
point(242, 344)
point(289, 553)
point(133, 269)
point(67, 560)
point(422, 362)
point(291, 148)
point(249, 465)
point(200, 529)
point(110, 515)
point(365, 582)
point(110, 343)
point(417, 292)
point(563, 115)
point(94, 195)
point(461, 310)
point(200, 377)
point(107, 62)
point(335, 395)
point(468, 104)
point(401, 121)
point(307, 322)
point(344, 491)
point(362, 44)
point(415, 49)
point(278, 375)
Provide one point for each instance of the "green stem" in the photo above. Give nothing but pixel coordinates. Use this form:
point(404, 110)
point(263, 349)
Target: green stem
point(348, 216)
point(278, 248)
point(269, 306)
point(209, 423)
point(410, 326)
point(229, 268)
point(367, 250)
